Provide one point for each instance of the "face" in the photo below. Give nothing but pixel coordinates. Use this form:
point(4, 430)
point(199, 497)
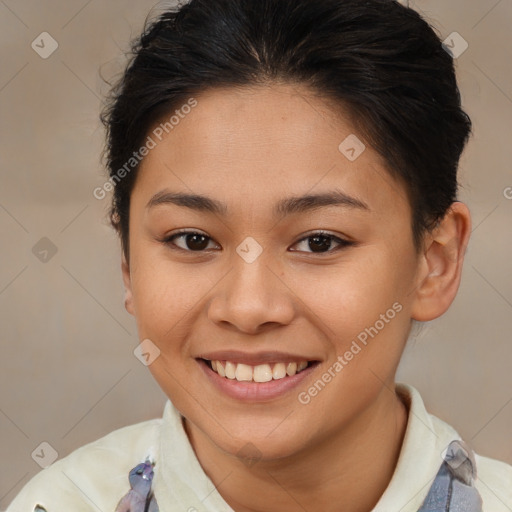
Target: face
point(299, 254)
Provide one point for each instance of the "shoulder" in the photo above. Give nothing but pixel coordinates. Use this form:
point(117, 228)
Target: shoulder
point(493, 477)
point(94, 476)
point(494, 483)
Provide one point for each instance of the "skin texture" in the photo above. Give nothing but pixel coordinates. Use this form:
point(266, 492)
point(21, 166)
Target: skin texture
point(249, 148)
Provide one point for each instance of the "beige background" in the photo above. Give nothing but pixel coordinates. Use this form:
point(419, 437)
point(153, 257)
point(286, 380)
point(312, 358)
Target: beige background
point(68, 374)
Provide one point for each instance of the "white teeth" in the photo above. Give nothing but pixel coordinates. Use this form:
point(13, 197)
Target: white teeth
point(279, 371)
point(291, 369)
point(301, 365)
point(259, 373)
point(220, 369)
point(243, 372)
point(230, 370)
point(262, 373)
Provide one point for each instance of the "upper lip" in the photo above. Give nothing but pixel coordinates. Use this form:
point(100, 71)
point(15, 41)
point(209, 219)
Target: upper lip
point(254, 359)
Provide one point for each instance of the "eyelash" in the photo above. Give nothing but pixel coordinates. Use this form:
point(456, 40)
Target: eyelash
point(342, 243)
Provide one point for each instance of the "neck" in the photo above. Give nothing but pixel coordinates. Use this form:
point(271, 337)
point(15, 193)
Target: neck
point(348, 470)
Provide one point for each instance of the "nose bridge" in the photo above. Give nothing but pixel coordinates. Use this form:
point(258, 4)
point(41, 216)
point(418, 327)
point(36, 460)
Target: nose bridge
point(251, 274)
point(252, 280)
point(252, 295)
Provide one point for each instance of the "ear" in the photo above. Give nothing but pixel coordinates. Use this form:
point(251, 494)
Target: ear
point(127, 280)
point(440, 265)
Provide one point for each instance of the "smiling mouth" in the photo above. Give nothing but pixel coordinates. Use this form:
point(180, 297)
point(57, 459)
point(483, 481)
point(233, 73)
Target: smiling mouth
point(259, 373)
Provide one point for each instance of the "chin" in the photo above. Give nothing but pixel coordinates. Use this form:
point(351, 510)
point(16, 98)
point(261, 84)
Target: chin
point(252, 450)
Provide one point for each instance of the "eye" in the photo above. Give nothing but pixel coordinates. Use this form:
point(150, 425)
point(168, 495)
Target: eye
point(193, 241)
point(320, 242)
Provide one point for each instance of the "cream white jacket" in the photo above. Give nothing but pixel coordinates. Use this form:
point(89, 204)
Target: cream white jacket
point(95, 477)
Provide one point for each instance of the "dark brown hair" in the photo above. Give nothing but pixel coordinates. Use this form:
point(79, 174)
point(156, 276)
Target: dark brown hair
point(378, 59)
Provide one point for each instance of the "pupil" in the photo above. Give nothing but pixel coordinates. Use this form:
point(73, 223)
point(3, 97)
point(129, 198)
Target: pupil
point(194, 242)
point(319, 242)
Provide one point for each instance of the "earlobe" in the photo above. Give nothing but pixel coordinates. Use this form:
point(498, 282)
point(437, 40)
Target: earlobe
point(128, 297)
point(440, 268)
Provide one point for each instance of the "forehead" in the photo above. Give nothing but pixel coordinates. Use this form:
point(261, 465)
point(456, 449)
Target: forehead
point(243, 145)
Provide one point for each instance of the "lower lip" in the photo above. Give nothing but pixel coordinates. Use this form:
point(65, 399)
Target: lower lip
point(255, 391)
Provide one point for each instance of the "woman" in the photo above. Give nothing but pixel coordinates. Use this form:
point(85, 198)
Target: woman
point(285, 191)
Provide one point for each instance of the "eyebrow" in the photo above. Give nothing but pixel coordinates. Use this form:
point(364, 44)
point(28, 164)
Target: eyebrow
point(287, 206)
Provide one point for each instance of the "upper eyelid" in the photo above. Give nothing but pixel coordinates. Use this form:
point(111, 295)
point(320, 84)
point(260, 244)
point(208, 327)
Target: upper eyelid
point(167, 238)
point(307, 235)
point(339, 239)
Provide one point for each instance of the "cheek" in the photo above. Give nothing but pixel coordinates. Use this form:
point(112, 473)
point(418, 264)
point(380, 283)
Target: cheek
point(169, 297)
point(353, 294)
point(161, 295)
point(164, 299)
point(363, 311)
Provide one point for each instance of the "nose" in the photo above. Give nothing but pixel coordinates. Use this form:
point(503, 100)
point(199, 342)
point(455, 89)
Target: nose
point(252, 298)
